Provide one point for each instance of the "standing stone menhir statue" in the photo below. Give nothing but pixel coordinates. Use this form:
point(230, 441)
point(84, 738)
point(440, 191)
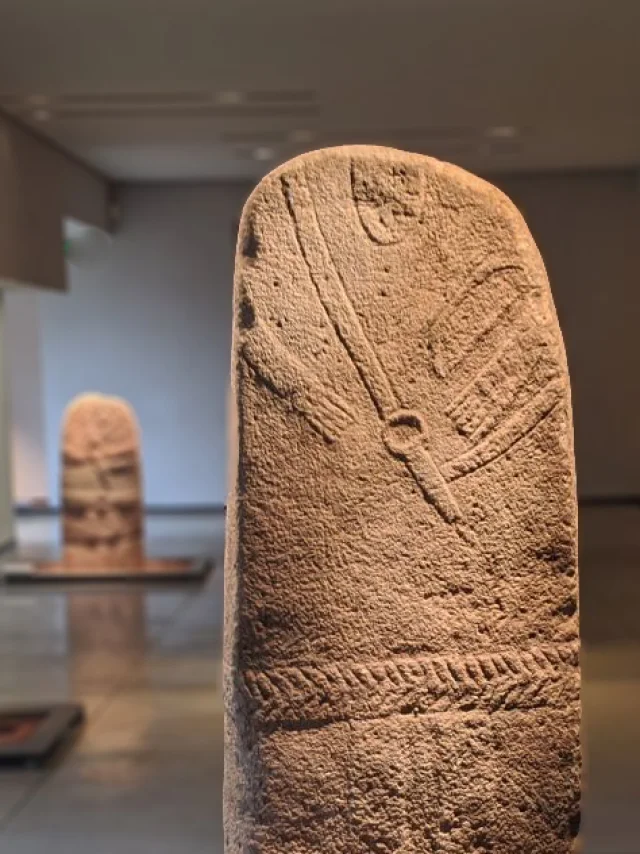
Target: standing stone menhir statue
point(401, 603)
point(102, 503)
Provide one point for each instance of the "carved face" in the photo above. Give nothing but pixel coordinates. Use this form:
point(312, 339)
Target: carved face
point(389, 201)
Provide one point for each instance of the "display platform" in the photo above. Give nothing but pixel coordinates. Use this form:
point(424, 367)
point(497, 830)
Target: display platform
point(17, 570)
point(29, 736)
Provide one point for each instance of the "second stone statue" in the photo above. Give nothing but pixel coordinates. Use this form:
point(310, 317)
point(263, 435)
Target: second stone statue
point(401, 586)
point(102, 506)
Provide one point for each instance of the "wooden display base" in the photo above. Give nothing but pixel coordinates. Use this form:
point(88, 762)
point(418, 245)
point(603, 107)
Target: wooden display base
point(30, 735)
point(152, 570)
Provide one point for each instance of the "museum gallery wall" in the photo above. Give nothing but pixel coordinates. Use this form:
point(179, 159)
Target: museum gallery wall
point(178, 325)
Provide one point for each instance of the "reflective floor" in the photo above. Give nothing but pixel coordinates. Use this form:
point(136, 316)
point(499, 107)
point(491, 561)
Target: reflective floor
point(145, 774)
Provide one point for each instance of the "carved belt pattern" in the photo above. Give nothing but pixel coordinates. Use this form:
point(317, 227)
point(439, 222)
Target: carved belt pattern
point(545, 676)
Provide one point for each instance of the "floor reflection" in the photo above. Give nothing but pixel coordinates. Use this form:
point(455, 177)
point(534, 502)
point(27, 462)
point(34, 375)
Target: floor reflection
point(105, 621)
point(146, 773)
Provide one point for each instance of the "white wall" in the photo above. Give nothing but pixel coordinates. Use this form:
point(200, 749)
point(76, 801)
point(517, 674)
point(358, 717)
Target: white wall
point(154, 326)
point(24, 357)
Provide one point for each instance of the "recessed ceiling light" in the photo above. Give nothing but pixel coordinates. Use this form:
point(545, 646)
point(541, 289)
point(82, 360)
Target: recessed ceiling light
point(41, 115)
point(301, 135)
point(502, 132)
point(229, 97)
point(263, 152)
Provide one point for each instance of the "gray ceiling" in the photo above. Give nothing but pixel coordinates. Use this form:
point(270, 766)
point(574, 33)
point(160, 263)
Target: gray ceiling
point(193, 89)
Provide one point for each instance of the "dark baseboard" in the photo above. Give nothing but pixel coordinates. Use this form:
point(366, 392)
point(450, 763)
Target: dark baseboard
point(26, 510)
point(609, 501)
point(185, 509)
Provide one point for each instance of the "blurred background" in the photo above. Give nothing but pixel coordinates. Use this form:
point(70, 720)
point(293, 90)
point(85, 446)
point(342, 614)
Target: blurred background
point(131, 132)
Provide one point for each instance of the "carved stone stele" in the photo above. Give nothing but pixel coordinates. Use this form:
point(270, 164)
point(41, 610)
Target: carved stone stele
point(401, 583)
point(102, 503)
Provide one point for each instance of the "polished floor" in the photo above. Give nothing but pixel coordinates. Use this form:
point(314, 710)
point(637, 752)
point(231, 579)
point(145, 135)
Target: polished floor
point(145, 773)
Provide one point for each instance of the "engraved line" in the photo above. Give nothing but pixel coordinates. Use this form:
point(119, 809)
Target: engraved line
point(488, 681)
point(480, 268)
point(334, 298)
point(454, 333)
point(508, 435)
point(507, 363)
point(333, 295)
point(494, 390)
point(459, 343)
point(292, 381)
point(433, 485)
point(529, 382)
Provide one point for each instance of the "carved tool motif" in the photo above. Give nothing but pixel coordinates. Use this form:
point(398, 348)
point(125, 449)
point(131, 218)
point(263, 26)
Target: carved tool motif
point(404, 431)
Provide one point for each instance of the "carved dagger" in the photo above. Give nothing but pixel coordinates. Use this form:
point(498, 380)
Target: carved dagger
point(404, 431)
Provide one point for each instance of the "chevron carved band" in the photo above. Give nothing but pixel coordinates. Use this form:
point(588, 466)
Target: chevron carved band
point(544, 676)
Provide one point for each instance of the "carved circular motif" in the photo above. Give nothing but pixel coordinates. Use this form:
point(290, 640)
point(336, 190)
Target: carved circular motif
point(404, 430)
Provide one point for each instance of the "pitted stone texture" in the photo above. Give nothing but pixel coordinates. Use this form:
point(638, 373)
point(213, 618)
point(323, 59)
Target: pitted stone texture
point(401, 603)
point(101, 484)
